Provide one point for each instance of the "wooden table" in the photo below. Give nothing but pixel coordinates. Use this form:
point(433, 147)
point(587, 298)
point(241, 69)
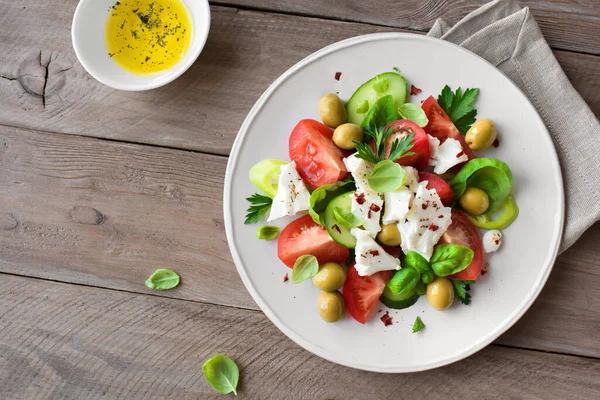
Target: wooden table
point(98, 188)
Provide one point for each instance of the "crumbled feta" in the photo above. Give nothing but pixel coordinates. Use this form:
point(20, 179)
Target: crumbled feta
point(359, 169)
point(397, 205)
point(491, 241)
point(368, 207)
point(370, 256)
point(412, 178)
point(446, 155)
point(425, 222)
point(292, 195)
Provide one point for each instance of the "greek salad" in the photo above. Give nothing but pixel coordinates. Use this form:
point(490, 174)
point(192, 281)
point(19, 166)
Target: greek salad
point(388, 196)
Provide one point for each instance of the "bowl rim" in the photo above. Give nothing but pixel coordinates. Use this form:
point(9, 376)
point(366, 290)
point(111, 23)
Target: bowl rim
point(307, 345)
point(162, 78)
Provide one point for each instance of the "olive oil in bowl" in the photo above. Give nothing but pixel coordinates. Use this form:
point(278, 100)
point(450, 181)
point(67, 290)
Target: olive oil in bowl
point(148, 36)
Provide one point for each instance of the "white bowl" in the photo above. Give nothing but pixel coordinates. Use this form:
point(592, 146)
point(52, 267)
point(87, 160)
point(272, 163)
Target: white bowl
point(89, 43)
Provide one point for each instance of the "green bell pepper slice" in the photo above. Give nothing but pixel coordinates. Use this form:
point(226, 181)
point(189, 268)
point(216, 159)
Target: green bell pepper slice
point(500, 219)
point(265, 175)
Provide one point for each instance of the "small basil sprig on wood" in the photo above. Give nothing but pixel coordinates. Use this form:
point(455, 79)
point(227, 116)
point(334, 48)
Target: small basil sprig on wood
point(346, 218)
point(305, 268)
point(387, 176)
point(163, 279)
point(267, 232)
point(449, 259)
point(404, 280)
point(222, 373)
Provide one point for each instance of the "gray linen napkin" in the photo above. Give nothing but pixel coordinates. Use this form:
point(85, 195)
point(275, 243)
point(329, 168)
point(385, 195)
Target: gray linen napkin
point(507, 36)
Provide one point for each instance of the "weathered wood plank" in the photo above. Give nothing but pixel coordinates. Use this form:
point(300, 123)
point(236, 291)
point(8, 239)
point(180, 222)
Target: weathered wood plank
point(570, 25)
point(101, 213)
point(202, 110)
point(86, 343)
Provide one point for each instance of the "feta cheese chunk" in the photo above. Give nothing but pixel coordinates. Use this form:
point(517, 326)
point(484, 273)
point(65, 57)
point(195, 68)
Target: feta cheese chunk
point(368, 207)
point(397, 205)
point(412, 178)
point(370, 256)
point(491, 241)
point(292, 195)
point(425, 222)
point(446, 155)
point(359, 169)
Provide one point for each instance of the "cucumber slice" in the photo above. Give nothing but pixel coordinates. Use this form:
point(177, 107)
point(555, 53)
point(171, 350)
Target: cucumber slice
point(338, 232)
point(398, 301)
point(379, 86)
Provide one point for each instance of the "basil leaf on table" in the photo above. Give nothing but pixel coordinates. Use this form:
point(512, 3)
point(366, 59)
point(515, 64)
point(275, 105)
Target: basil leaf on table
point(404, 280)
point(163, 279)
point(267, 232)
point(346, 218)
point(414, 113)
point(488, 174)
point(305, 268)
point(381, 113)
point(448, 259)
point(222, 373)
point(320, 198)
point(387, 176)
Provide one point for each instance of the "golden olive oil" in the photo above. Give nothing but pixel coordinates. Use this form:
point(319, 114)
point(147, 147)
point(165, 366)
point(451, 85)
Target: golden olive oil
point(148, 36)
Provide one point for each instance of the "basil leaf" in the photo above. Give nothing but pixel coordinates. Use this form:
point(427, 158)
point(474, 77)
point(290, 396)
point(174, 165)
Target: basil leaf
point(387, 176)
point(427, 277)
point(488, 174)
point(416, 261)
point(414, 113)
point(305, 267)
point(321, 196)
point(381, 113)
point(163, 279)
point(404, 280)
point(418, 325)
point(346, 218)
point(267, 232)
point(421, 288)
point(448, 259)
point(222, 373)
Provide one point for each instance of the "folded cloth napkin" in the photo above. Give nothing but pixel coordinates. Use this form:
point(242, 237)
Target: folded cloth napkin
point(507, 36)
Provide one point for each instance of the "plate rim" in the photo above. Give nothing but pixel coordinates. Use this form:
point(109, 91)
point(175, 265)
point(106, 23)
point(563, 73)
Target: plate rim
point(307, 345)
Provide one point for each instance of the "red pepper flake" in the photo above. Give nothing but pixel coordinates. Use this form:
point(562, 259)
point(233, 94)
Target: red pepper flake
point(379, 311)
point(337, 228)
point(497, 241)
point(422, 101)
point(459, 155)
point(425, 205)
point(414, 90)
point(374, 207)
point(369, 214)
point(374, 253)
point(496, 143)
point(483, 272)
point(440, 216)
point(285, 278)
point(360, 198)
point(386, 319)
point(433, 227)
point(337, 76)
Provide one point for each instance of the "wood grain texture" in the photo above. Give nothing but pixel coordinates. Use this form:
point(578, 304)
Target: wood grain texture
point(570, 25)
point(65, 342)
point(45, 88)
point(105, 214)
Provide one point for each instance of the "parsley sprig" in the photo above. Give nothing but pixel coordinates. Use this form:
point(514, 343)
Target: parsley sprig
point(459, 106)
point(461, 290)
point(400, 147)
point(260, 206)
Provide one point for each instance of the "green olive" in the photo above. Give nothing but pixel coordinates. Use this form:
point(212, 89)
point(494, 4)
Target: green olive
point(440, 293)
point(474, 201)
point(331, 306)
point(481, 135)
point(332, 110)
point(345, 134)
point(331, 277)
point(389, 235)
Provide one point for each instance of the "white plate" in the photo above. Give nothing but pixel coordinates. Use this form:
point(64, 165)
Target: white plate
point(517, 272)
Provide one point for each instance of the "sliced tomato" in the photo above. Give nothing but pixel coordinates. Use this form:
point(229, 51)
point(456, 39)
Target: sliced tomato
point(304, 236)
point(361, 293)
point(463, 232)
point(441, 187)
point(440, 125)
point(402, 128)
point(318, 159)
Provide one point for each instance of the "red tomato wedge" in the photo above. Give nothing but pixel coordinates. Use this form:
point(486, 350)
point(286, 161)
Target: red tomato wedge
point(463, 232)
point(318, 159)
point(441, 187)
point(402, 128)
point(304, 236)
point(361, 293)
point(440, 125)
